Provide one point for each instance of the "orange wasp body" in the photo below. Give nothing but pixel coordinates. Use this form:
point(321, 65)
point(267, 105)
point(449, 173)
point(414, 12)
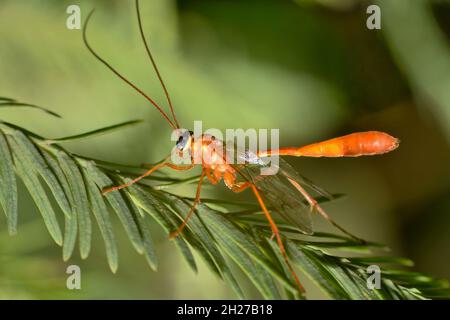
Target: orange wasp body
point(285, 191)
point(352, 145)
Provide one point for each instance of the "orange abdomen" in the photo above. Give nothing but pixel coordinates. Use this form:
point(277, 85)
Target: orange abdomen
point(352, 145)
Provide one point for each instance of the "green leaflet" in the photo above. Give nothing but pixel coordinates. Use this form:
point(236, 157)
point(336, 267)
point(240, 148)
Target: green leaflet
point(254, 271)
point(70, 222)
point(163, 216)
point(149, 249)
point(119, 205)
point(274, 249)
point(314, 269)
point(351, 282)
point(339, 274)
point(70, 237)
point(96, 132)
point(235, 240)
point(80, 201)
point(6, 102)
point(6, 99)
point(24, 168)
point(101, 214)
point(8, 186)
point(207, 242)
point(436, 293)
point(382, 260)
point(34, 160)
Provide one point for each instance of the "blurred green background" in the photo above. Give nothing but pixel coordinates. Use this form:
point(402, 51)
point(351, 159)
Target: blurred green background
point(308, 67)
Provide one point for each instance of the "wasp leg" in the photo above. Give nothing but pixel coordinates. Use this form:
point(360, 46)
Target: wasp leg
point(276, 234)
point(149, 172)
point(191, 210)
point(315, 206)
point(240, 186)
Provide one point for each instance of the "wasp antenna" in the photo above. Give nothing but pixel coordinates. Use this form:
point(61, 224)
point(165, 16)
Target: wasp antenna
point(118, 74)
point(155, 67)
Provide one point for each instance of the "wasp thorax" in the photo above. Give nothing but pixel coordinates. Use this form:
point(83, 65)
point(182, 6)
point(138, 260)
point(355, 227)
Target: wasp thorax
point(208, 150)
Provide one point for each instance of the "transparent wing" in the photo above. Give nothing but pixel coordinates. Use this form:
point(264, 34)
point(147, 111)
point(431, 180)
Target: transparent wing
point(278, 192)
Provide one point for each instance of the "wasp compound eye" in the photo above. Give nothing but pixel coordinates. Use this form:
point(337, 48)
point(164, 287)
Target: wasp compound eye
point(183, 140)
